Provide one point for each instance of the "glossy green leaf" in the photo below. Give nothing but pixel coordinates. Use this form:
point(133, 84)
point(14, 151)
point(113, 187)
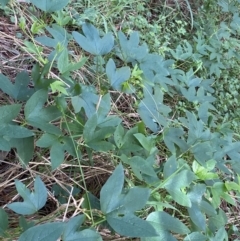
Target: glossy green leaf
point(43, 232)
point(19, 90)
point(39, 116)
point(92, 42)
point(50, 5)
point(32, 201)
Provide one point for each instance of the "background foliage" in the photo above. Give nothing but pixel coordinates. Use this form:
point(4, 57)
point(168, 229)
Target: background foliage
point(119, 119)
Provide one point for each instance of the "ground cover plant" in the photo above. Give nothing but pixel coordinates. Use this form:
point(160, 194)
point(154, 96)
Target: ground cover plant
point(119, 120)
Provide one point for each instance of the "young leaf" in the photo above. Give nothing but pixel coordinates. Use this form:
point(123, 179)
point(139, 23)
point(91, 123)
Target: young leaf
point(19, 90)
point(70, 232)
point(43, 232)
point(32, 201)
point(117, 76)
point(110, 192)
point(38, 116)
point(50, 5)
point(3, 222)
point(58, 86)
point(92, 42)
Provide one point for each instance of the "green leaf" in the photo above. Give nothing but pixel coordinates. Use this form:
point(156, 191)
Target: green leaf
point(19, 90)
point(3, 222)
point(118, 136)
point(152, 110)
point(89, 128)
point(24, 224)
point(195, 236)
point(43, 232)
point(14, 131)
point(50, 5)
point(178, 182)
point(25, 148)
point(118, 207)
point(143, 169)
point(110, 192)
point(56, 155)
point(92, 42)
point(32, 201)
point(57, 147)
point(117, 76)
point(129, 225)
point(221, 235)
point(135, 199)
point(9, 112)
point(71, 234)
point(129, 48)
point(174, 137)
point(168, 222)
point(170, 167)
point(101, 146)
point(4, 2)
point(4, 144)
point(148, 142)
point(58, 86)
point(164, 224)
point(86, 100)
point(39, 116)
